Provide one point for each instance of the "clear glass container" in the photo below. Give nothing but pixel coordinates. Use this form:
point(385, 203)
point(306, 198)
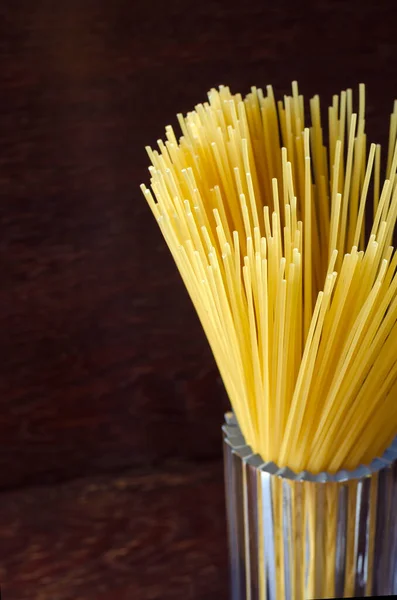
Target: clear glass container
point(300, 536)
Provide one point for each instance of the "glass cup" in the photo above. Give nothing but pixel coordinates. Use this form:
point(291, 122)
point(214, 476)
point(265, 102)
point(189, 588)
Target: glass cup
point(303, 536)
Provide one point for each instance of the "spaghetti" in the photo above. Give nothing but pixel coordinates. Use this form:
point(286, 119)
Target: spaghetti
point(266, 225)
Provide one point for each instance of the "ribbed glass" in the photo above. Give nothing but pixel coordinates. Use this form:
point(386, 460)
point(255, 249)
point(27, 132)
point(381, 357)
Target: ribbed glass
point(300, 537)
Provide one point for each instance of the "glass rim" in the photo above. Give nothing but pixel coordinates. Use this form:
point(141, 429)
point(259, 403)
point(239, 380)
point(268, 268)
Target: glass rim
point(235, 440)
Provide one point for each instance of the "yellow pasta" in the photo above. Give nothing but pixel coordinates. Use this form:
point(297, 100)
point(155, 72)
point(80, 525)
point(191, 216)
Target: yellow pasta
point(266, 225)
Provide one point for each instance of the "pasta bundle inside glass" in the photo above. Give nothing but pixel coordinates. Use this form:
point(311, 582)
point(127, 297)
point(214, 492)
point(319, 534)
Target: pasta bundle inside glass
point(268, 226)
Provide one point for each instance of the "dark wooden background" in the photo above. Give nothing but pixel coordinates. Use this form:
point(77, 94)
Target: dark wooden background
point(105, 374)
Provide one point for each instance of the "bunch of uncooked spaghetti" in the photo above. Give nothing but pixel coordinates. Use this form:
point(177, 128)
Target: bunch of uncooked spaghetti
point(267, 226)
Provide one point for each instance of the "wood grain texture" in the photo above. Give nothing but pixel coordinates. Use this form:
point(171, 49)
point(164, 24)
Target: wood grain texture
point(103, 363)
point(154, 536)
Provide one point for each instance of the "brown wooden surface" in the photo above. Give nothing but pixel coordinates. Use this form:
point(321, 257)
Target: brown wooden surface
point(103, 363)
point(157, 536)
